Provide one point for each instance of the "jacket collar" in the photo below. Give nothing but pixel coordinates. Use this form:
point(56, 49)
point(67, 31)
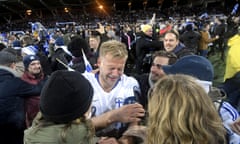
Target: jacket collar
point(10, 70)
point(178, 47)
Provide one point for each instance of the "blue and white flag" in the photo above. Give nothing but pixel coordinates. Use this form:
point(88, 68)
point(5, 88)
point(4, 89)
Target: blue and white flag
point(39, 31)
point(88, 66)
point(37, 26)
point(66, 66)
point(204, 15)
point(235, 8)
point(4, 38)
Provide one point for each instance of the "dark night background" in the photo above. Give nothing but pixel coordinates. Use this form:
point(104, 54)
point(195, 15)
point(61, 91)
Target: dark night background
point(16, 9)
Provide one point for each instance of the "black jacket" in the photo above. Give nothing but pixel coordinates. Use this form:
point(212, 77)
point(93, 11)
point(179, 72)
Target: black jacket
point(191, 39)
point(13, 91)
point(181, 51)
point(145, 45)
point(62, 56)
point(143, 81)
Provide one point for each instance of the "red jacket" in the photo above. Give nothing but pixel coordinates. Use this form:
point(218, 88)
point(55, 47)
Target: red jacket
point(31, 103)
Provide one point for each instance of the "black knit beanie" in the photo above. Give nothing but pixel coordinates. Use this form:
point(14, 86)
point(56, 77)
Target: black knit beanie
point(67, 95)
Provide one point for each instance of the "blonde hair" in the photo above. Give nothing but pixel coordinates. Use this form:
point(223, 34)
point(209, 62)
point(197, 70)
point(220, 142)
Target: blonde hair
point(173, 31)
point(146, 28)
point(115, 48)
point(181, 112)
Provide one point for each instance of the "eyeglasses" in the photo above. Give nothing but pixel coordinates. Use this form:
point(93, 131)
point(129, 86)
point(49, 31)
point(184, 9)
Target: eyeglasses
point(159, 66)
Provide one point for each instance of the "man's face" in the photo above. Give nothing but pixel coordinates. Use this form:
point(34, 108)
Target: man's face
point(93, 43)
point(149, 32)
point(170, 42)
point(156, 71)
point(34, 67)
point(110, 71)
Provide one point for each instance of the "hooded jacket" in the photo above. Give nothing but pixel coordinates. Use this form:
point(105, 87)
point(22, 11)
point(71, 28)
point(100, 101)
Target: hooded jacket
point(75, 134)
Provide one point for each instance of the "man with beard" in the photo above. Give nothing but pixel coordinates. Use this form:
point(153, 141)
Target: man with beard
point(13, 92)
point(33, 74)
point(147, 80)
point(114, 106)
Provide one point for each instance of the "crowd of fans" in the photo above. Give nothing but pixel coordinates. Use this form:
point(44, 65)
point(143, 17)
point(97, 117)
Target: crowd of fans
point(147, 68)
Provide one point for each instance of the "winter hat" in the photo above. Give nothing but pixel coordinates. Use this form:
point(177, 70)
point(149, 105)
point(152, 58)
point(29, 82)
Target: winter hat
point(76, 45)
point(16, 44)
point(28, 59)
point(66, 96)
point(146, 27)
point(196, 66)
point(59, 41)
point(7, 58)
point(189, 26)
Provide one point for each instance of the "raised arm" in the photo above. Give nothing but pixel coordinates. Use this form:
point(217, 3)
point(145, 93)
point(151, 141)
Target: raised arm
point(125, 114)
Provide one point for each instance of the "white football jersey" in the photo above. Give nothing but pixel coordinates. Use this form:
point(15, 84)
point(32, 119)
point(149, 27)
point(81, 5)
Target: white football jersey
point(121, 94)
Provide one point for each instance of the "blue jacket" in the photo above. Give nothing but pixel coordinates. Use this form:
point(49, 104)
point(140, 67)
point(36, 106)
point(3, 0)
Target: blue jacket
point(182, 51)
point(13, 90)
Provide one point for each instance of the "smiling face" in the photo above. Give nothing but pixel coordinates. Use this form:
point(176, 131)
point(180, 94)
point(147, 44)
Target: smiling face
point(94, 42)
point(34, 67)
point(156, 71)
point(149, 32)
point(112, 58)
point(170, 42)
point(110, 71)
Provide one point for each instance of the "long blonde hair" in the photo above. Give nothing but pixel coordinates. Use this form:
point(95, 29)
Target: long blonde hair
point(181, 112)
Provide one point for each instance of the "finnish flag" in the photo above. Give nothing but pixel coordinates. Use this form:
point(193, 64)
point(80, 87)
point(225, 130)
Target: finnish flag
point(235, 8)
point(88, 66)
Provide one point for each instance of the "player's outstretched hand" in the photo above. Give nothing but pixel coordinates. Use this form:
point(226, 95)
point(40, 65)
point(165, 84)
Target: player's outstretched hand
point(129, 113)
point(235, 126)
